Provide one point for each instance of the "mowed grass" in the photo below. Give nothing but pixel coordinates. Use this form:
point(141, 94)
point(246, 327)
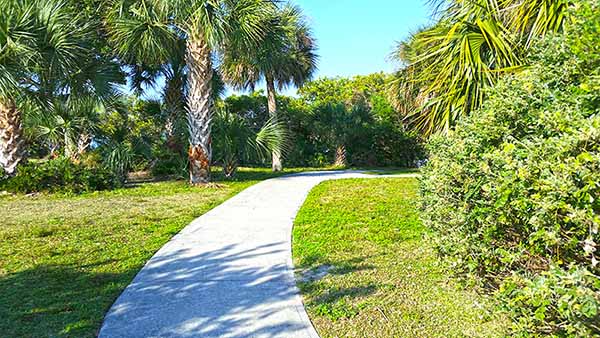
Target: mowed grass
point(65, 259)
point(383, 279)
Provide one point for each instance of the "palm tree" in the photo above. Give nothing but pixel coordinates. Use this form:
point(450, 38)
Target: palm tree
point(236, 141)
point(42, 45)
point(285, 56)
point(174, 73)
point(66, 124)
point(150, 28)
point(15, 52)
point(476, 41)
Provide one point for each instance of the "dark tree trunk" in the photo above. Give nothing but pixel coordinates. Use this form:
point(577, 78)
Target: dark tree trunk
point(174, 108)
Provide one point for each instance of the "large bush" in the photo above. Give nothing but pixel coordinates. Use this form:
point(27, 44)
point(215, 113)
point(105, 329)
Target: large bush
point(59, 175)
point(352, 114)
point(514, 192)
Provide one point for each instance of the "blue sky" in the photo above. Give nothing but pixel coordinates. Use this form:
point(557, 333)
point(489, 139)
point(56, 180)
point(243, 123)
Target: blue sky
point(357, 36)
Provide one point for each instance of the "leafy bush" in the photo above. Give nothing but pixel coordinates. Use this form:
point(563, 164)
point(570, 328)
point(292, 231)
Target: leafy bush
point(385, 144)
point(119, 159)
point(556, 301)
point(235, 142)
point(170, 163)
point(514, 192)
point(352, 114)
point(59, 175)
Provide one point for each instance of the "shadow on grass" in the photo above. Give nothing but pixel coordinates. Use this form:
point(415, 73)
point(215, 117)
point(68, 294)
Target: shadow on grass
point(335, 302)
point(58, 300)
point(183, 293)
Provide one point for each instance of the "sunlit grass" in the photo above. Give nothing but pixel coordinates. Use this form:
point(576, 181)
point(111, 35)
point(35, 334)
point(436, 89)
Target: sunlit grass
point(384, 278)
point(64, 259)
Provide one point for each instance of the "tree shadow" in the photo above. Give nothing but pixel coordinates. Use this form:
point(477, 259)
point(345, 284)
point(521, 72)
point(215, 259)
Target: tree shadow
point(190, 292)
point(58, 300)
point(184, 292)
point(333, 295)
point(337, 268)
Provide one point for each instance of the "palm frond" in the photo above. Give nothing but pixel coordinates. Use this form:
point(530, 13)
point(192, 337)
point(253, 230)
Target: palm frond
point(141, 31)
point(449, 65)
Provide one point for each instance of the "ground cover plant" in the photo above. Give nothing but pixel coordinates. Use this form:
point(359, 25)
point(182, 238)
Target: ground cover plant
point(366, 268)
point(65, 258)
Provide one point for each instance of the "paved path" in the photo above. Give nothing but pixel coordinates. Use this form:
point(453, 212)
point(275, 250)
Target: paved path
point(228, 274)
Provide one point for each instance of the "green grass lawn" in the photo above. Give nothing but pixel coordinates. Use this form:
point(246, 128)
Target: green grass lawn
point(389, 171)
point(65, 259)
point(383, 279)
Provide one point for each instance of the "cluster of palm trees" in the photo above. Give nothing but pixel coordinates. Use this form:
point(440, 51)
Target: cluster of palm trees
point(48, 64)
point(48, 60)
point(449, 65)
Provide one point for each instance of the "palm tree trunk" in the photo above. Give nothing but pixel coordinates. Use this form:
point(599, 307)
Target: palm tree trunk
point(11, 137)
point(199, 108)
point(272, 105)
point(84, 141)
point(340, 156)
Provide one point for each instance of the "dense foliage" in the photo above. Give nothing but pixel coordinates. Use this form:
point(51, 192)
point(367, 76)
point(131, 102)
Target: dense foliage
point(352, 115)
point(236, 142)
point(350, 122)
point(60, 175)
point(514, 191)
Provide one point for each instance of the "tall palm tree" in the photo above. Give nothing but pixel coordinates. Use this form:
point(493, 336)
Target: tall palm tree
point(285, 56)
point(174, 73)
point(475, 41)
point(151, 28)
point(42, 44)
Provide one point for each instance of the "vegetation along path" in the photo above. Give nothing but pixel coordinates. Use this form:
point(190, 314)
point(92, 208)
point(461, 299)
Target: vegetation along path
point(228, 274)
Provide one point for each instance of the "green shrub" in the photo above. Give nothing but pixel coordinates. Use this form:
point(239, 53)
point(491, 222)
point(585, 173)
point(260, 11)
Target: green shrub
point(514, 191)
point(560, 302)
point(384, 144)
point(170, 163)
point(59, 175)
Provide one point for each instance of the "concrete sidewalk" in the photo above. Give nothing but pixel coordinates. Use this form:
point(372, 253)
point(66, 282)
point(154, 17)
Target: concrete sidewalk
point(228, 274)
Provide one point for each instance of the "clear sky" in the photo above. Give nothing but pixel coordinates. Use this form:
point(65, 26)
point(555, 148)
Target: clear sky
point(357, 36)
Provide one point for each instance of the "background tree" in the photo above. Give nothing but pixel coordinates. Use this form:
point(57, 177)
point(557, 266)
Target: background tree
point(351, 120)
point(237, 141)
point(252, 107)
point(46, 57)
point(285, 56)
point(150, 28)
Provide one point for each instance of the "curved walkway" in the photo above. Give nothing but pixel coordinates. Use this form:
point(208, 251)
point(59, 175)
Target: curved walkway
point(227, 274)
